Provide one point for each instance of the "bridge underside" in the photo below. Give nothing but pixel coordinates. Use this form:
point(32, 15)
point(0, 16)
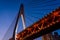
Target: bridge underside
point(45, 31)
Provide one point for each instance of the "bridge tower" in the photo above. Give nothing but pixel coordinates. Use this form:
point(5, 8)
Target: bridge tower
point(20, 14)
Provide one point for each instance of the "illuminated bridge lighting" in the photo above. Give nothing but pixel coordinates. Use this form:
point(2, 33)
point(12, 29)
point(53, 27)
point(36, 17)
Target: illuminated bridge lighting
point(41, 26)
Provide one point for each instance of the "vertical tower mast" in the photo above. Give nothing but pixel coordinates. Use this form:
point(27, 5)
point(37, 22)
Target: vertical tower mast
point(21, 13)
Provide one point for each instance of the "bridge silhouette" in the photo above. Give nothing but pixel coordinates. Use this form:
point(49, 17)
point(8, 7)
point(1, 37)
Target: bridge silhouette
point(48, 24)
point(45, 25)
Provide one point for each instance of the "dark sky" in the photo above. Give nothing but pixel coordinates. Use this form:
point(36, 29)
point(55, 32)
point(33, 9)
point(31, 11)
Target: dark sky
point(33, 10)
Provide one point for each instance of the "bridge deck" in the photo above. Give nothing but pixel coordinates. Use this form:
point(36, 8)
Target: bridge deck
point(45, 31)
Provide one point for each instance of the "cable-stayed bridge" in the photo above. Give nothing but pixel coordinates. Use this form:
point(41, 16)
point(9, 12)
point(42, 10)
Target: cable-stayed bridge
point(47, 24)
point(43, 26)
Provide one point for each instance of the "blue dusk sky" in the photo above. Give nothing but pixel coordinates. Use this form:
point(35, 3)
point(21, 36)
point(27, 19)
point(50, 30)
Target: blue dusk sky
point(33, 11)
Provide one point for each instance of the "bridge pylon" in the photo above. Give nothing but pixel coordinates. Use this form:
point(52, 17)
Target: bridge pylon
point(20, 14)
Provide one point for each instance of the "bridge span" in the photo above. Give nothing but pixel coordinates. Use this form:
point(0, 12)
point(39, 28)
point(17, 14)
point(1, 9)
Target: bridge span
point(47, 24)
